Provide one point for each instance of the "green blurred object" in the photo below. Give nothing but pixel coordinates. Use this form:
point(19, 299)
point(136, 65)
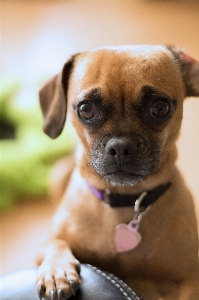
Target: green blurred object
point(26, 153)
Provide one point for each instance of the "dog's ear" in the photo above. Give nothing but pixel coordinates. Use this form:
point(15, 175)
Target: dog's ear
point(190, 70)
point(53, 100)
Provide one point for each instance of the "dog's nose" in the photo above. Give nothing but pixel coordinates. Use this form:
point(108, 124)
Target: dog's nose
point(121, 150)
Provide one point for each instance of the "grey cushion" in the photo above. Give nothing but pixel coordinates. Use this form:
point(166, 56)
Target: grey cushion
point(96, 285)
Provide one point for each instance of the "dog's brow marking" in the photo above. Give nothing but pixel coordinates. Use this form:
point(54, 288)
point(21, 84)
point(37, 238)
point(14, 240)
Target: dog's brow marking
point(147, 89)
point(94, 94)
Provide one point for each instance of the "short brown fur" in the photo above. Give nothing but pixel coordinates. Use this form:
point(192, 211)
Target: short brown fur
point(165, 264)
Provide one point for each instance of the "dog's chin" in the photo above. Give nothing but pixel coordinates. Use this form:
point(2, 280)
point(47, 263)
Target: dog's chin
point(123, 179)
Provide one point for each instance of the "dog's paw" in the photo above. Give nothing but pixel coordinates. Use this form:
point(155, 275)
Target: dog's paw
point(58, 281)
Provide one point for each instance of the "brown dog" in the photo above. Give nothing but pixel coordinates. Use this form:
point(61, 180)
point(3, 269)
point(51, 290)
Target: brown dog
point(126, 105)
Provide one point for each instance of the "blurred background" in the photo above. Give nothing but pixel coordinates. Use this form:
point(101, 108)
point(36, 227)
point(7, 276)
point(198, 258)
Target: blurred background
point(36, 39)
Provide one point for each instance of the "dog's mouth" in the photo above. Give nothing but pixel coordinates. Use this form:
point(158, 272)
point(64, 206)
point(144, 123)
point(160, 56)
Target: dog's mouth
point(122, 178)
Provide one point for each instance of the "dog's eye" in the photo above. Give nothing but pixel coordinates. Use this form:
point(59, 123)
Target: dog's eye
point(159, 109)
point(87, 111)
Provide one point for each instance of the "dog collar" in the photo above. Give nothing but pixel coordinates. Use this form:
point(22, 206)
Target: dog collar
point(127, 236)
point(122, 200)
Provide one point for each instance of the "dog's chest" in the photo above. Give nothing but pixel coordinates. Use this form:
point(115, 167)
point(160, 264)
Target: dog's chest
point(92, 237)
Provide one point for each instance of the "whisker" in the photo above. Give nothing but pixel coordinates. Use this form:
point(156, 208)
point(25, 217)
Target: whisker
point(86, 155)
point(87, 165)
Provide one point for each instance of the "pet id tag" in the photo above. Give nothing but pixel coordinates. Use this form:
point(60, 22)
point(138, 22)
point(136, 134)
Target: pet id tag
point(127, 236)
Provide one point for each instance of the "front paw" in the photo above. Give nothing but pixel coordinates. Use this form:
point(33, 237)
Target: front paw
point(58, 280)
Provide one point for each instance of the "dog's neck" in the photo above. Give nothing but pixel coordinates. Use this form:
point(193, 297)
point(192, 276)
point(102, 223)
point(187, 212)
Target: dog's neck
point(123, 200)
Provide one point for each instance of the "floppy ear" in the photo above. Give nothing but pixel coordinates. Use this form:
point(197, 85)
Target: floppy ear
point(190, 71)
point(53, 100)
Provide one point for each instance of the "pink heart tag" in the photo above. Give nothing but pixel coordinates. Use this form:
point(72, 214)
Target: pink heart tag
point(127, 237)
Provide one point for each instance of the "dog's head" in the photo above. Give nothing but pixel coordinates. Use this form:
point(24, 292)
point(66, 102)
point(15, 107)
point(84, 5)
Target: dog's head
point(126, 104)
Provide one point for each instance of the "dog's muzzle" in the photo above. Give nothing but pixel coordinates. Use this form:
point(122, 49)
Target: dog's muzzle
point(124, 161)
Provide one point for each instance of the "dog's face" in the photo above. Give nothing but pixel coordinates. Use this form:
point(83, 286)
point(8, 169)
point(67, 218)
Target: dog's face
point(126, 105)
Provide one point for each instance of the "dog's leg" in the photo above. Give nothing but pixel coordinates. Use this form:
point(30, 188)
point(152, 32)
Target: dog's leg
point(58, 274)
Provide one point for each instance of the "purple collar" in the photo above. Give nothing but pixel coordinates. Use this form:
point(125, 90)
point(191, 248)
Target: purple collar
point(122, 200)
point(98, 193)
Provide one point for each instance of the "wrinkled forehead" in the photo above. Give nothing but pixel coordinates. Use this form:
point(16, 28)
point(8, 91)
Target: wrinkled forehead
point(128, 69)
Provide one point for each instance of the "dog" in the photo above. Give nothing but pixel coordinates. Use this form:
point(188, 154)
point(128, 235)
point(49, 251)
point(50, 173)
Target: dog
point(126, 208)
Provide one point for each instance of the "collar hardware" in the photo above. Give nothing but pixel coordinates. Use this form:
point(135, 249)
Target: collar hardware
point(138, 202)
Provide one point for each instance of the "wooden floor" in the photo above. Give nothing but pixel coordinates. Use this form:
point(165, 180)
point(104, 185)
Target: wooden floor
point(37, 36)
